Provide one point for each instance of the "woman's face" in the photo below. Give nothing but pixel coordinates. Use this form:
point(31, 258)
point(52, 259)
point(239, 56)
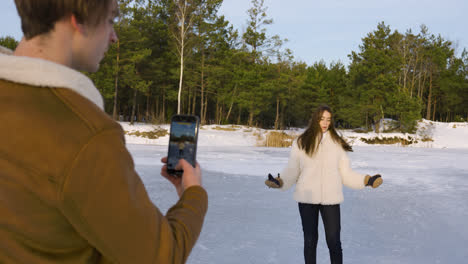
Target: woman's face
point(325, 120)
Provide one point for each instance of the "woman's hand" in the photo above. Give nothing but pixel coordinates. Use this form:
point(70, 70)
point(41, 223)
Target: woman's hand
point(274, 182)
point(373, 181)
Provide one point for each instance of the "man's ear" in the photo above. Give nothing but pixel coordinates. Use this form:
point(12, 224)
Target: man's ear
point(81, 28)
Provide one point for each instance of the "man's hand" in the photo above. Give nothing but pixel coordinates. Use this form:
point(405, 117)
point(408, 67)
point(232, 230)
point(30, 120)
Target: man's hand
point(190, 177)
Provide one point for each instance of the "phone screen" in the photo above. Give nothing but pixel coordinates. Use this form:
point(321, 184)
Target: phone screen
point(182, 141)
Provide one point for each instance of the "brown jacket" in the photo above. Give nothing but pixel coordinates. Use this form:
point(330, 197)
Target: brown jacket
point(69, 192)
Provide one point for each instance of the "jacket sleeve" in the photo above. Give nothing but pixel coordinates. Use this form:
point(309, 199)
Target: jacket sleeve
point(106, 202)
point(350, 178)
point(292, 171)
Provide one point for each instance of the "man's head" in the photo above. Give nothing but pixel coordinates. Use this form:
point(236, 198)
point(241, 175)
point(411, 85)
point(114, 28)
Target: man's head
point(86, 24)
point(39, 16)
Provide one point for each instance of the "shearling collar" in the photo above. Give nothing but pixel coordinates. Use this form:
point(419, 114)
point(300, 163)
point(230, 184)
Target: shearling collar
point(43, 73)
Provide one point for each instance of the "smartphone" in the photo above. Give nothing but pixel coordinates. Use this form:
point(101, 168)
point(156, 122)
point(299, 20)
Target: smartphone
point(182, 142)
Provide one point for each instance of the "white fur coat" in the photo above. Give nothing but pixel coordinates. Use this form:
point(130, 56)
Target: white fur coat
point(319, 179)
point(43, 73)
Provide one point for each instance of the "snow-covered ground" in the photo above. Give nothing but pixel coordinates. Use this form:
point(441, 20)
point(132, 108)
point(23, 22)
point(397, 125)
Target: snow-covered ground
point(428, 135)
point(418, 215)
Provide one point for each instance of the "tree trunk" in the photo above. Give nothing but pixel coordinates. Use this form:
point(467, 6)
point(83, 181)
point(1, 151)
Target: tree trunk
point(147, 108)
point(163, 112)
point(232, 102)
point(133, 107)
point(283, 107)
point(434, 110)
point(180, 81)
point(367, 119)
point(405, 70)
point(194, 101)
point(277, 113)
point(405, 74)
point(156, 109)
point(138, 115)
point(206, 106)
point(114, 111)
point(230, 109)
point(251, 116)
point(202, 93)
point(189, 101)
point(221, 111)
point(423, 83)
point(182, 105)
point(182, 48)
point(429, 99)
point(217, 111)
point(414, 76)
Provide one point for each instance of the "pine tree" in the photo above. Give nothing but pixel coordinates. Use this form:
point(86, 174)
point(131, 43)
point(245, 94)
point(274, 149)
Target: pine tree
point(8, 42)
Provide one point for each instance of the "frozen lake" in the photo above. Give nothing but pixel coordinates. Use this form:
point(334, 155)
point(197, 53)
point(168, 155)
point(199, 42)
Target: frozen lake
point(419, 214)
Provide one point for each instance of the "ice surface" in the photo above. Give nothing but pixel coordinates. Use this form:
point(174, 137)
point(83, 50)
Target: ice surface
point(418, 215)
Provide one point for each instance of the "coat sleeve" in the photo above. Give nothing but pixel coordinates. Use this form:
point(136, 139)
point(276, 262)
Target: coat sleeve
point(106, 202)
point(292, 171)
point(350, 178)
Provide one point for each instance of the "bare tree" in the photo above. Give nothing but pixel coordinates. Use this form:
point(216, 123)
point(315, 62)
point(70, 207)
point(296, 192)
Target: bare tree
point(183, 14)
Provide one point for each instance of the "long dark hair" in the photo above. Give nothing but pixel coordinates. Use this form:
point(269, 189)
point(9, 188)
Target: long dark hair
point(308, 141)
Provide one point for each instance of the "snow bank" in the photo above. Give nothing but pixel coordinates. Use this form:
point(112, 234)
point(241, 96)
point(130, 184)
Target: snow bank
point(429, 134)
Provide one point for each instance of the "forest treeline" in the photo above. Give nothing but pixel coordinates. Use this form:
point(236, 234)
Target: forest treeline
point(182, 56)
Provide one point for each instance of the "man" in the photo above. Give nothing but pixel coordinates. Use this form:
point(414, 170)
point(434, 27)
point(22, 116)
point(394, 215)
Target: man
point(69, 192)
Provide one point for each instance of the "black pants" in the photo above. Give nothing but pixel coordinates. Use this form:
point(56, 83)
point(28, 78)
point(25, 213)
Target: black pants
point(331, 222)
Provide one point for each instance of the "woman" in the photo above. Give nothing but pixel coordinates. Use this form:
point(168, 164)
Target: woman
point(319, 166)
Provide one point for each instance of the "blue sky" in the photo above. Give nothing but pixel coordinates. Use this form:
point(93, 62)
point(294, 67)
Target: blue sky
point(329, 29)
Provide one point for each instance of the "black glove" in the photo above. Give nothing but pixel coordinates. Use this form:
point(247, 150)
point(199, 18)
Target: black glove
point(374, 181)
point(274, 182)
